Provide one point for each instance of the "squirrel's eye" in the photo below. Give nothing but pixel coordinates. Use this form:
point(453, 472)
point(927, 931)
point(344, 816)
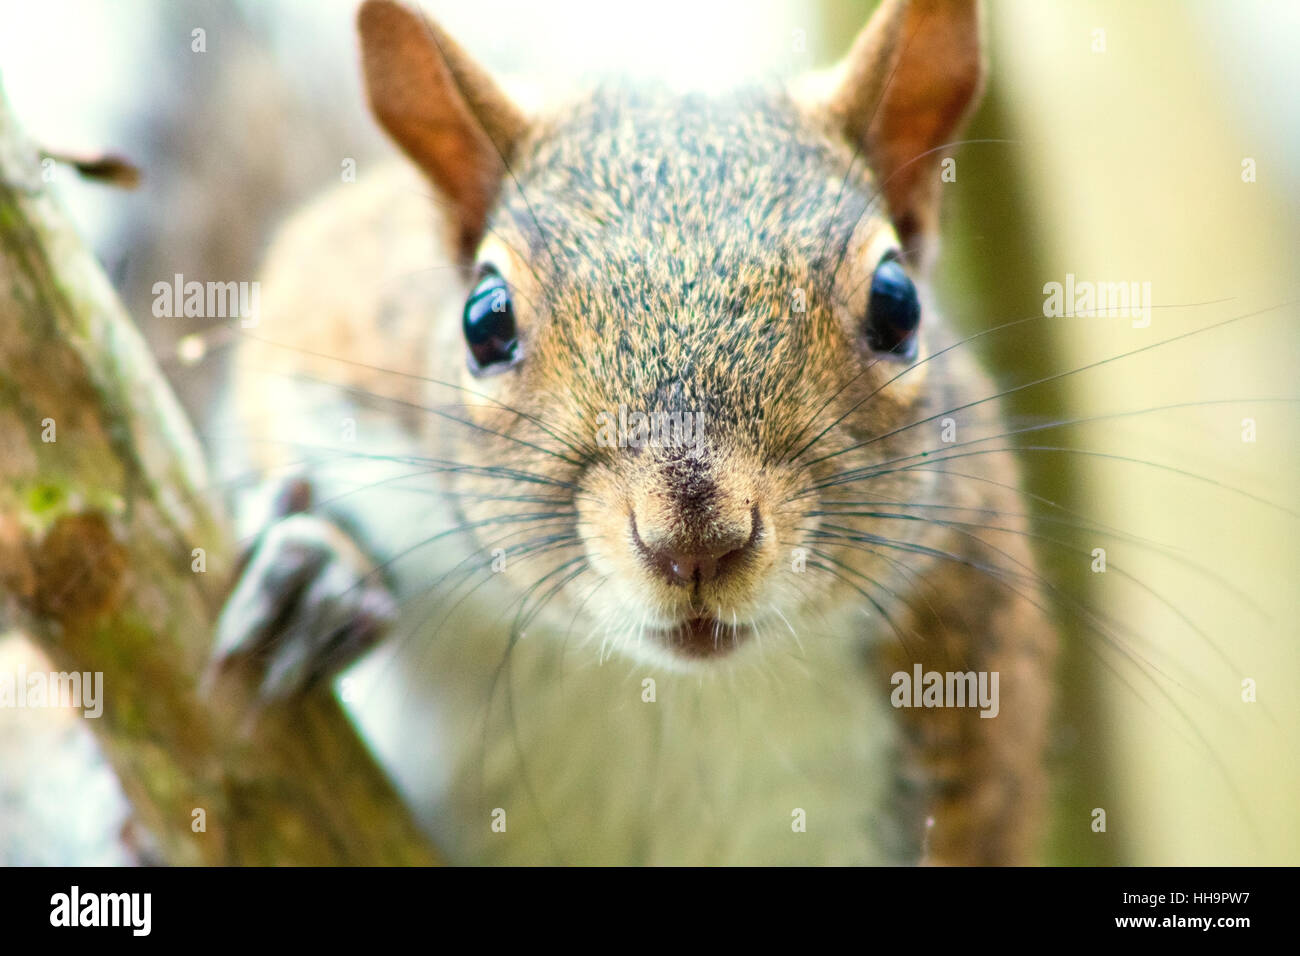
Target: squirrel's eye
point(489, 324)
point(893, 311)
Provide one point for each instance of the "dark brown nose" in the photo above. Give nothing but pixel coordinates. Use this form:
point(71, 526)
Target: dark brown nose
point(686, 560)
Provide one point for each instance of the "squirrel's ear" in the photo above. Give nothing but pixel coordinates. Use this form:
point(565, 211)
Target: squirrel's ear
point(442, 109)
point(913, 76)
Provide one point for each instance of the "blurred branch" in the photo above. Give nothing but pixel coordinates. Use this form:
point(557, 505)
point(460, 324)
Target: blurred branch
point(101, 508)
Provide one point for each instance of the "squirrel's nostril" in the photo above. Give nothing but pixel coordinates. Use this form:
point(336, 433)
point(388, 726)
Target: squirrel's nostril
point(687, 561)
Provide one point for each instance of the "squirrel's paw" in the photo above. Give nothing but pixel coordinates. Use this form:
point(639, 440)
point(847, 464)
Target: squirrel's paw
point(307, 604)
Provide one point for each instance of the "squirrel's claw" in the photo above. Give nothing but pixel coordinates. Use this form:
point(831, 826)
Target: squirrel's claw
point(307, 604)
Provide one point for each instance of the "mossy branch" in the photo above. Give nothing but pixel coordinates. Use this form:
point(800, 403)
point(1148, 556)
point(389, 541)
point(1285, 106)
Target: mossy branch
point(101, 508)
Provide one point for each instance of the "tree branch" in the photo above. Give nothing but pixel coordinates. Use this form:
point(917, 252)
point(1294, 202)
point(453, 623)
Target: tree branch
point(101, 507)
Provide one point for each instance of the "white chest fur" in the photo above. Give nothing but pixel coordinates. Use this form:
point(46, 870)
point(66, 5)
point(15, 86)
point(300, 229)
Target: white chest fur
point(540, 753)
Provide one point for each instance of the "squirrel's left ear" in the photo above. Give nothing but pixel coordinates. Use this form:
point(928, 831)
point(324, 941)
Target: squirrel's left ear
point(913, 76)
point(441, 107)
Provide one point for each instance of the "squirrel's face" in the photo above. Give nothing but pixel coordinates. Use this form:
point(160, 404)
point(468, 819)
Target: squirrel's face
point(687, 320)
point(686, 305)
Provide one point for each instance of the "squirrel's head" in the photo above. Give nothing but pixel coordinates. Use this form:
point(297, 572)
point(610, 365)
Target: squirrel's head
point(688, 323)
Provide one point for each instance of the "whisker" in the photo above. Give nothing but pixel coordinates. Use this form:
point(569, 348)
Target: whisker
point(1036, 317)
point(831, 510)
point(397, 373)
point(870, 598)
point(960, 527)
point(1017, 449)
point(1090, 419)
point(1053, 378)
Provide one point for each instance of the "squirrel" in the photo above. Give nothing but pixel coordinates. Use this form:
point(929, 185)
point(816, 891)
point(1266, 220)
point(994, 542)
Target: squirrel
point(609, 420)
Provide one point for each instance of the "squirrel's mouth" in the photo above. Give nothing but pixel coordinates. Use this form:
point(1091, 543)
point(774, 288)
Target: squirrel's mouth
point(702, 637)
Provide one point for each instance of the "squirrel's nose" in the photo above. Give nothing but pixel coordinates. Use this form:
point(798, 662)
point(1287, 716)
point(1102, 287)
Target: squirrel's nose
point(689, 560)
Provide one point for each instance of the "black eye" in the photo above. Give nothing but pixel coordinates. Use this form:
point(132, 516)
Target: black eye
point(893, 311)
point(489, 324)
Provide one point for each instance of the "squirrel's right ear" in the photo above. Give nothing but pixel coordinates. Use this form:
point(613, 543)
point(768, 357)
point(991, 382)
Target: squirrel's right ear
point(442, 109)
point(904, 91)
